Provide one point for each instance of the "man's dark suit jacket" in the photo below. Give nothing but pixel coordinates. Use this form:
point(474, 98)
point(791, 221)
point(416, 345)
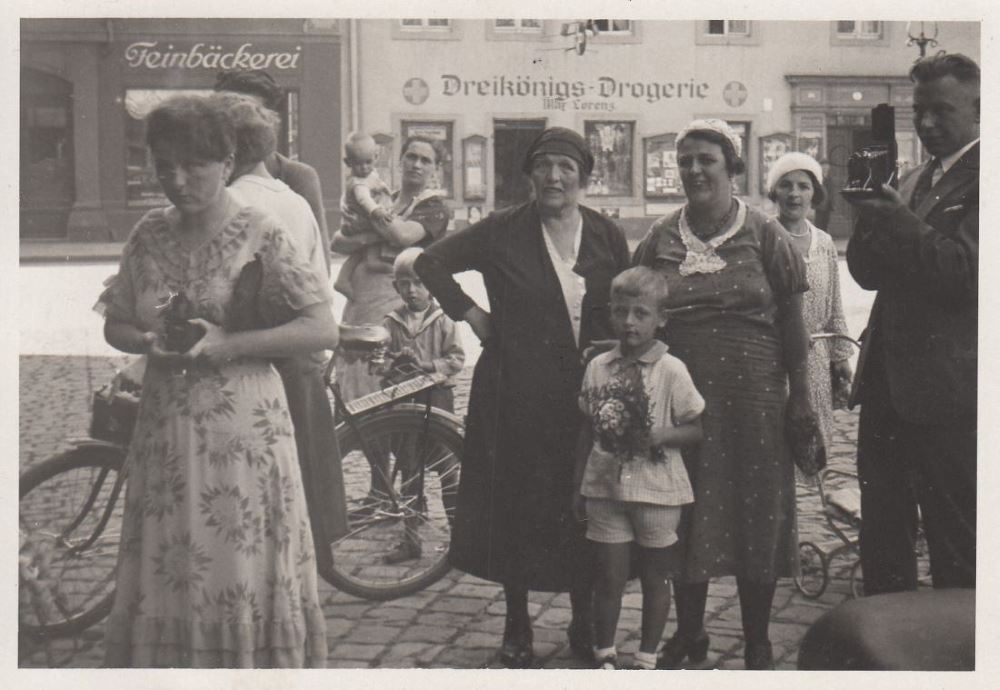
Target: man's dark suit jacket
point(923, 326)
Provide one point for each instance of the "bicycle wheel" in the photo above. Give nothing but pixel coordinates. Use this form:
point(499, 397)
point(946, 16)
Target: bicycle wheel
point(399, 518)
point(66, 557)
point(813, 571)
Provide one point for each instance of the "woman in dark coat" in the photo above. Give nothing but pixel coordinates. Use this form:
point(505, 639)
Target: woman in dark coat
point(547, 266)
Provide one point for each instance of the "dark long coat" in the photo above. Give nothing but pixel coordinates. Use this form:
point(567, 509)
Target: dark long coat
point(513, 523)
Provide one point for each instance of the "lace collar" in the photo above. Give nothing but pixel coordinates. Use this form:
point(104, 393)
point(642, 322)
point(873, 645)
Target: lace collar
point(701, 256)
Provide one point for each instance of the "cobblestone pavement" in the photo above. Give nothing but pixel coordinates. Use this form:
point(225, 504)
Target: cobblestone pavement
point(456, 622)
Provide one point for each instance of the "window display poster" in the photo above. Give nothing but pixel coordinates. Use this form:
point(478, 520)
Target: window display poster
point(443, 177)
point(772, 147)
point(474, 167)
point(660, 167)
point(741, 185)
point(811, 143)
point(611, 144)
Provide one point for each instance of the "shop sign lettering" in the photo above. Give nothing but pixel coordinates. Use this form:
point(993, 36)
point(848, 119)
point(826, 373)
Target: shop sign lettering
point(151, 55)
point(559, 94)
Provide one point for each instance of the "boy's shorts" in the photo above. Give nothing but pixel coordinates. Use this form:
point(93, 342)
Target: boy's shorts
point(621, 522)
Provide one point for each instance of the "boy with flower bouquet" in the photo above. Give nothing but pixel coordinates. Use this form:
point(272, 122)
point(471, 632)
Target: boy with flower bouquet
point(630, 480)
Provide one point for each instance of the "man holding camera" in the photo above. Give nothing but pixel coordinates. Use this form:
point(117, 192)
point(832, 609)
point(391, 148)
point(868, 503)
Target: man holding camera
point(916, 381)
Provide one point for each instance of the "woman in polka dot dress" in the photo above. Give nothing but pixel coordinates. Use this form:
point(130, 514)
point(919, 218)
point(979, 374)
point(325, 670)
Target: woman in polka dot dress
point(736, 287)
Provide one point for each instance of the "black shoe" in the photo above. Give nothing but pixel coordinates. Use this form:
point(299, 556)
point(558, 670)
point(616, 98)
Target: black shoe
point(581, 639)
point(607, 663)
point(680, 648)
point(406, 550)
point(516, 650)
point(757, 656)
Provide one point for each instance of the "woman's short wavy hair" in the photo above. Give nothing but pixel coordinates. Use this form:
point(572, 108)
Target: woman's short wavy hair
point(256, 127)
point(192, 126)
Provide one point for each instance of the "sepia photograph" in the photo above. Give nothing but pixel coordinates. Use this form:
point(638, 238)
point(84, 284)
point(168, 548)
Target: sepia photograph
point(463, 342)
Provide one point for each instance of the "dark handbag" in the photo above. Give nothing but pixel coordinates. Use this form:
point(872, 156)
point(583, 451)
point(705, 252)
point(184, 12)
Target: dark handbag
point(244, 310)
point(806, 444)
point(114, 415)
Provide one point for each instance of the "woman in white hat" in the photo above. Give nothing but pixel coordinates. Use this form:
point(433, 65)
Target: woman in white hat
point(795, 184)
point(736, 287)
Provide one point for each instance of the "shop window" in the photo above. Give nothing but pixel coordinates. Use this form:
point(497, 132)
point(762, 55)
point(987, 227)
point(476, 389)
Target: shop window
point(726, 32)
point(662, 177)
point(441, 132)
point(384, 162)
point(141, 185)
point(291, 125)
point(741, 184)
point(773, 147)
point(854, 32)
point(611, 144)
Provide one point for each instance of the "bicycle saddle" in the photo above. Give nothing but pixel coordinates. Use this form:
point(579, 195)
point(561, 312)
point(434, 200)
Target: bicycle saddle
point(364, 337)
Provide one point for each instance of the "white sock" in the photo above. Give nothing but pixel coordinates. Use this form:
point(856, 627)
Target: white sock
point(645, 659)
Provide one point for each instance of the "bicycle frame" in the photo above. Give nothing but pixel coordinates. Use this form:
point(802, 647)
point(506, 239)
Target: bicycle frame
point(92, 497)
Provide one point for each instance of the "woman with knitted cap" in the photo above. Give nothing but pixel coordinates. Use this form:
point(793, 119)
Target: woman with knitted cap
point(795, 184)
point(736, 285)
point(547, 266)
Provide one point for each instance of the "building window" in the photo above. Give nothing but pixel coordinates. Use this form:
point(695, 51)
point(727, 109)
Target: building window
point(611, 144)
point(859, 29)
point(441, 132)
point(614, 27)
point(524, 26)
point(853, 32)
point(432, 24)
point(728, 27)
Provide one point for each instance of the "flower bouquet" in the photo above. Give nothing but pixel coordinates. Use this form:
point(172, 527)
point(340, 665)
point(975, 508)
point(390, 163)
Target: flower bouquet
point(621, 414)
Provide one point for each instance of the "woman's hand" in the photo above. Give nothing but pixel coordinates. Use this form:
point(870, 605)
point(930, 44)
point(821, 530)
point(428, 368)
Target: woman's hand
point(215, 345)
point(479, 320)
point(798, 406)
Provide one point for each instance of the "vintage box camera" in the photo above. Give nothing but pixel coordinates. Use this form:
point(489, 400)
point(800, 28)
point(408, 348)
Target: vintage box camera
point(180, 334)
point(874, 165)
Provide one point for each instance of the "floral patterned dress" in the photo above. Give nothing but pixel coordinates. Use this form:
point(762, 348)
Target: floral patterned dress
point(216, 566)
point(823, 313)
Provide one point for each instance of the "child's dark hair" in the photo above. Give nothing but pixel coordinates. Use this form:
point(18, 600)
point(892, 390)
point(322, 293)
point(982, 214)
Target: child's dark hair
point(639, 281)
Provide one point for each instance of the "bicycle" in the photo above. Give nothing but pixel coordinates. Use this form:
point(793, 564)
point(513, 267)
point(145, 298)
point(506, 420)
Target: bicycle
point(71, 505)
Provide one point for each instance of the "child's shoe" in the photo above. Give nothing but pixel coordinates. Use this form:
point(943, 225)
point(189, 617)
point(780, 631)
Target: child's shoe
point(606, 659)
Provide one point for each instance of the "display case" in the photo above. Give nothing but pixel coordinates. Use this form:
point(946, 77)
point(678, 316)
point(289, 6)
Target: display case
point(474, 168)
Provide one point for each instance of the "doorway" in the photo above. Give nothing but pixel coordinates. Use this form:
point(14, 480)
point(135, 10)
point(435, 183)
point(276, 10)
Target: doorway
point(46, 166)
point(511, 139)
point(843, 141)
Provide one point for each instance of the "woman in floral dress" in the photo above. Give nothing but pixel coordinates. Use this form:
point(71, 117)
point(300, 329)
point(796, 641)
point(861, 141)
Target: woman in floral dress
point(216, 566)
point(795, 183)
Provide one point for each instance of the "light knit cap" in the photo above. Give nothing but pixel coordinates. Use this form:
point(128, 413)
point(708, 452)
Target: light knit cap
point(713, 125)
point(790, 162)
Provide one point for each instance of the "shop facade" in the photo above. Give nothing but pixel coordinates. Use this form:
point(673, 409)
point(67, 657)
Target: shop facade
point(486, 87)
point(87, 84)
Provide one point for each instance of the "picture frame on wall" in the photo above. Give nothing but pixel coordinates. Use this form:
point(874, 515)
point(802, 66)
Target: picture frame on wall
point(611, 142)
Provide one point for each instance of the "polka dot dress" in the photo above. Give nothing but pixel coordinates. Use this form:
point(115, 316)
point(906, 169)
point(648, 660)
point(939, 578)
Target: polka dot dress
point(723, 327)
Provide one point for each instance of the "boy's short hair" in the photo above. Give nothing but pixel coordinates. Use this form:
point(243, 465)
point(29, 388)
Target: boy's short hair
point(403, 265)
point(639, 281)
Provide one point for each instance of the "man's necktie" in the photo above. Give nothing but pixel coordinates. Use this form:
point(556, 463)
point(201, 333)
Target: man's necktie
point(924, 183)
